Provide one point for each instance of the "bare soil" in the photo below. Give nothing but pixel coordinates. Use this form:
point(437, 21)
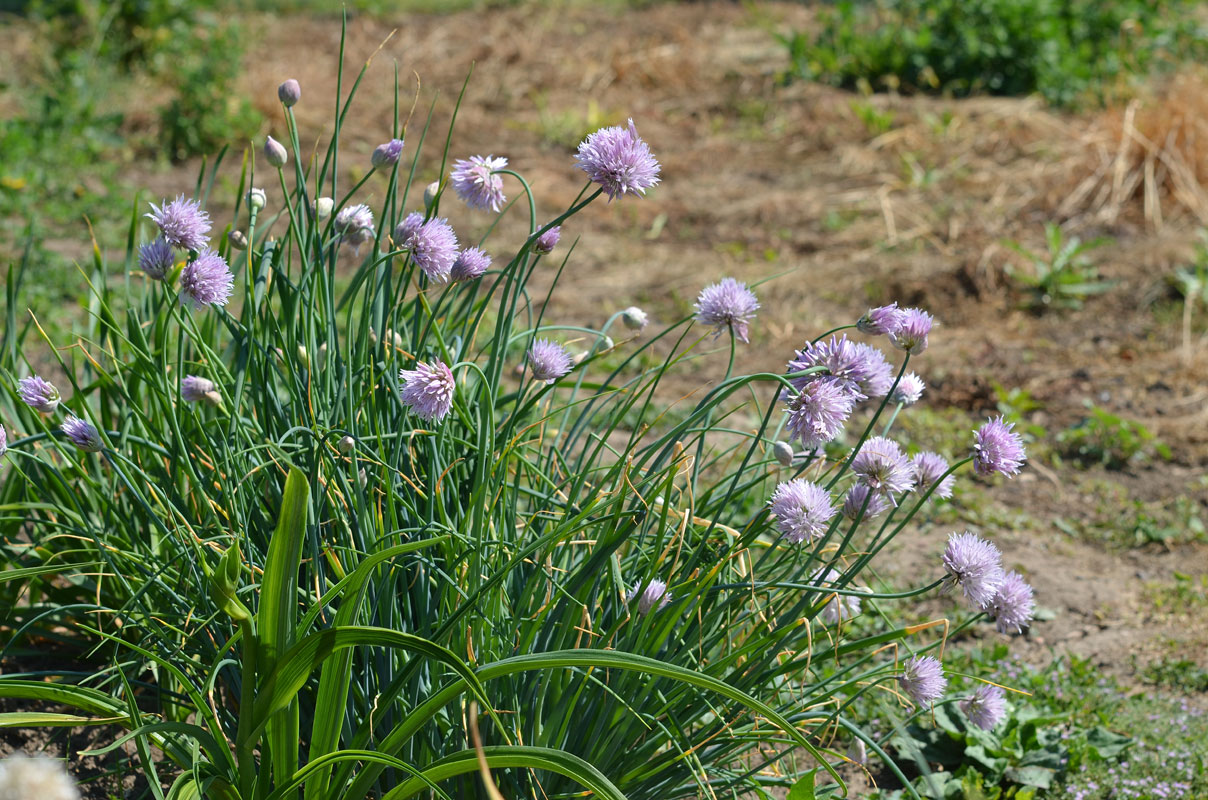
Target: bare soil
point(767, 179)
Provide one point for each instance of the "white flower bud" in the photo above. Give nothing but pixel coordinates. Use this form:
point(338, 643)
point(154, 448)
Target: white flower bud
point(256, 199)
point(237, 240)
point(303, 356)
point(634, 318)
point(783, 452)
point(346, 444)
point(323, 207)
point(275, 153)
point(430, 194)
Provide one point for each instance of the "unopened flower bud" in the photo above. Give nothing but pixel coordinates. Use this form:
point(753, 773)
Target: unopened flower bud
point(237, 240)
point(430, 194)
point(386, 155)
point(289, 93)
point(634, 318)
point(579, 357)
point(346, 444)
point(275, 153)
point(256, 199)
point(213, 398)
point(323, 207)
point(783, 453)
point(303, 356)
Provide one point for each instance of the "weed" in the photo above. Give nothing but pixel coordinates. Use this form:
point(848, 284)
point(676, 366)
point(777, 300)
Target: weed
point(1108, 439)
point(876, 122)
point(1063, 277)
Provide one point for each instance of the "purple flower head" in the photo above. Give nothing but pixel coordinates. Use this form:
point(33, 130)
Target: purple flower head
point(910, 334)
point(802, 510)
point(997, 448)
point(386, 155)
point(82, 434)
point(407, 228)
point(206, 281)
point(547, 241)
point(841, 606)
point(817, 412)
point(878, 372)
point(986, 707)
point(433, 248)
point(275, 153)
point(882, 319)
point(195, 390)
point(3, 441)
point(844, 361)
point(974, 565)
point(728, 304)
point(289, 93)
point(354, 224)
point(855, 501)
point(476, 186)
point(928, 468)
point(882, 467)
point(1014, 605)
point(428, 390)
point(39, 394)
point(471, 263)
point(654, 595)
point(155, 258)
point(618, 160)
point(909, 390)
point(923, 679)
point(548, 360)
point(183, 223)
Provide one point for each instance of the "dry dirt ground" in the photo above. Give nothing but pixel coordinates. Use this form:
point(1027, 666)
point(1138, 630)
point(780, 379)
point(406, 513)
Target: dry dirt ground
point(763, 178)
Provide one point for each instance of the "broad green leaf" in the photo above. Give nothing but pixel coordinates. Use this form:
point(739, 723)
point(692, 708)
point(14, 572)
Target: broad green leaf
point(803, 789)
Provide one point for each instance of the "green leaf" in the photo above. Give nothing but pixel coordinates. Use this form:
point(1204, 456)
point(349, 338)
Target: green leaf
point(1040, 777)
point(277, 615)
point(803, 789)
point(1105, 744)
point(512, 756)
point(38, 719)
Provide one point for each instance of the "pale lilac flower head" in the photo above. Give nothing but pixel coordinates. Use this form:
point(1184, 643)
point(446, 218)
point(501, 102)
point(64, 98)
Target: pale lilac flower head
point(618, 160)
point(39, 394)
point(428, 390)
point(407, 228)
point(433, 248)
point(182, 222)
point(155, 258)
point(547, 241)
point(354, 224)
point(35, 778)
point(997, 448)
point(986, 707)
point(289, 93)
point(878, 372)
point(882, 319)
point(928, 468)
point(653, 595)
point(471, 263)
point(3, 441)
point(909, 390)
point(82, 434)
point(476, 186)
point(910, 334)
point(817, 412)
point(195, 390)
point(275, 153)
point(386, 155)
point(728, 304)
point(548, 360)
point(845, 363)
point(882, 467)
point(206, 281)
point(803, 510)
point(857, 496)
point(923, 679)
point(1014, 605)
point(841, 606)
point(974, 565)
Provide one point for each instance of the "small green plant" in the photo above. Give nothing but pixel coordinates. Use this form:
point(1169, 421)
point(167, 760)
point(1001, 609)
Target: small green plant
point(875, 121)
point(1061, 278)
point(1108, 439)
point(1016, 405)
point(1191, 281)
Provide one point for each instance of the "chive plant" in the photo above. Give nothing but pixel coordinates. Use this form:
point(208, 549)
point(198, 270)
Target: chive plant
point(300, 522)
